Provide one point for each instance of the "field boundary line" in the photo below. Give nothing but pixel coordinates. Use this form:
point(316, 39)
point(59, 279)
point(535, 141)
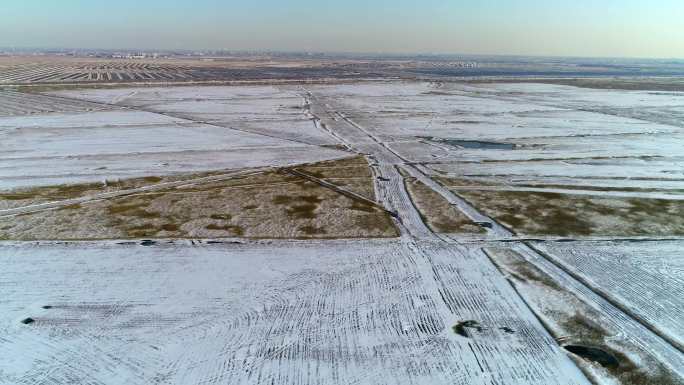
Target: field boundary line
point(605, 295)
point(337, 189)
point(120, 193)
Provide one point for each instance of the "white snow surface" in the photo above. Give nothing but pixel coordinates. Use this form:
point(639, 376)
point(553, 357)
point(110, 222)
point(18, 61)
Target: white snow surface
point(364, 312)
point(334, 312)
point(121, 143)
point(556, 131)
point(645, 277)
point(260, 109)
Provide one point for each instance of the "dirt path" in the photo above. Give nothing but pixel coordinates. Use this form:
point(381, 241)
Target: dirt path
point(388, 161)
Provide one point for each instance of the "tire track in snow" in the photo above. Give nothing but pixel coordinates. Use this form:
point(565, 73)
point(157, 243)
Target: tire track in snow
point(390, 156)
point(642, 335)
point(339, 312)
point(390, 183)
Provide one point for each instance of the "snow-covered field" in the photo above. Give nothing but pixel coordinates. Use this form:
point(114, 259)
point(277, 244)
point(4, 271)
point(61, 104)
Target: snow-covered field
point(18, 103)
point(263, 110)
point(554, 130)
point(647, 278)
point(72, 147)
point(364, 312)
point(423, 308)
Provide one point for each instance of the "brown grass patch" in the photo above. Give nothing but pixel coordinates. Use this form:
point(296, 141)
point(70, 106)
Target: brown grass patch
point(263, 205)
point(437, 212)
point(548, 213)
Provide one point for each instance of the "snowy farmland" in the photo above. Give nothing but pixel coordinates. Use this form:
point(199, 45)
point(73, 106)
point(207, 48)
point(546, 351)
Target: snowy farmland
point(382, 232)
point(367, 313)
point(35, 72)
point(123, 143)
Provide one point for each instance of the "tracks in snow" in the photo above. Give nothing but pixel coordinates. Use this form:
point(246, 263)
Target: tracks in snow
point(321, 315)
point(633, 327)
point(396, 196)
point(336, 312)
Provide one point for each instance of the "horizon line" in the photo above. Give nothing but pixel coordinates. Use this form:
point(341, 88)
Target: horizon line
point(332, 52)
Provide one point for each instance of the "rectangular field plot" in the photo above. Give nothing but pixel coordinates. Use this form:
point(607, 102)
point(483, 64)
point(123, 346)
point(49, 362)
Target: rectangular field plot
point(242, 127)
point(267, 110)
point(245, 204)
point(82, 72)
point(646, 277)
point(557, 160)
point(18, 103)
point(317, 313)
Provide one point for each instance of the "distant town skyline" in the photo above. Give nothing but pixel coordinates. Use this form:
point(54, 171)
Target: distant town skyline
point(608, 28)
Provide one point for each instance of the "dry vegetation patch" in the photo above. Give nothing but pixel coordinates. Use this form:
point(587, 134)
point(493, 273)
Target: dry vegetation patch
point(436, 211)
point(44, 194)
point(264, 205)
point(552, 213)
point(351, 174)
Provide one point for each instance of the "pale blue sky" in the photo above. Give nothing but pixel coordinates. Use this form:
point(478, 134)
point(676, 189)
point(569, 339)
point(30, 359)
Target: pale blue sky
point(620, 28)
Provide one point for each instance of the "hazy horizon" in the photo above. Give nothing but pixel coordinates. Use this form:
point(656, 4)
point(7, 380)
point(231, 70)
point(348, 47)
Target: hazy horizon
point(626, 29)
